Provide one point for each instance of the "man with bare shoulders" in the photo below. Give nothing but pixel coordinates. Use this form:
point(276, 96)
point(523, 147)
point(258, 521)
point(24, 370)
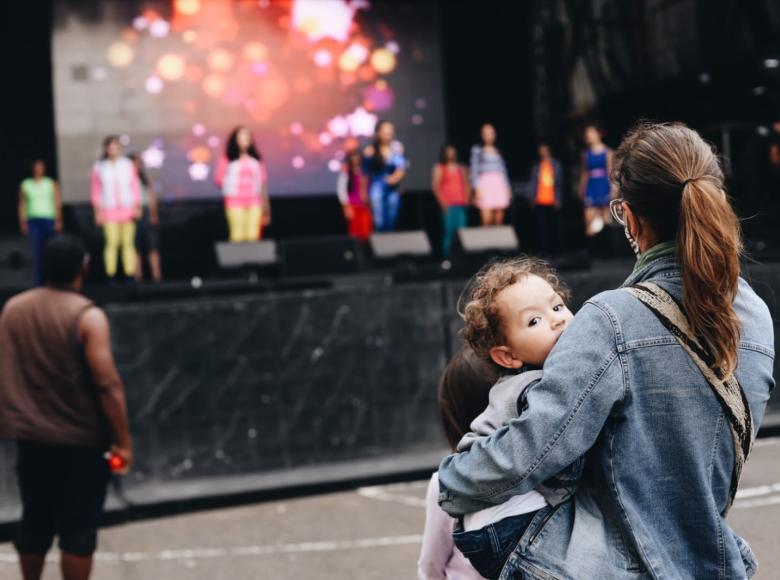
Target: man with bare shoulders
point(62, 400)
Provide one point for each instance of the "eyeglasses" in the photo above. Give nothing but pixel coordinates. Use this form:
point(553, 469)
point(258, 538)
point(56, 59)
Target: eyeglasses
point(616, 209)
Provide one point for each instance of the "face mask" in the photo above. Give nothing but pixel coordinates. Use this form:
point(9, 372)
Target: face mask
point(632, 242)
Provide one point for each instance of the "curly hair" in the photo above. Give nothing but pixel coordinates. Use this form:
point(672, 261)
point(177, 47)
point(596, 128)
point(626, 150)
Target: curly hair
point(478, 305)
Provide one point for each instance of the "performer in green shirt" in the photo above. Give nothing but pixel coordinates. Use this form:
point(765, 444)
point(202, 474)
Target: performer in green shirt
point(40, 212)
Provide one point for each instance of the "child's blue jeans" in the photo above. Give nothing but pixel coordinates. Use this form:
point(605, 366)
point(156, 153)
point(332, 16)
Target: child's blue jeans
point(488, 548)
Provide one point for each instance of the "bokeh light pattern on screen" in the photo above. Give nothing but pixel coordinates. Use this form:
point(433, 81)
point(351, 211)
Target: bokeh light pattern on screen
point(310, 78)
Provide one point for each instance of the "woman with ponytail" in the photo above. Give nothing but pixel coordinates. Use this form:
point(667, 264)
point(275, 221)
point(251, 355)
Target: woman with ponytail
point(662, 383)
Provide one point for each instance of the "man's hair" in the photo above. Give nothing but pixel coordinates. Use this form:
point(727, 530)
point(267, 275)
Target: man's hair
point(63, 259)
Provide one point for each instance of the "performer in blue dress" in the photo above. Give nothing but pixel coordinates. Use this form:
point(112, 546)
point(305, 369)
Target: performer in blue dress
point(595, 189)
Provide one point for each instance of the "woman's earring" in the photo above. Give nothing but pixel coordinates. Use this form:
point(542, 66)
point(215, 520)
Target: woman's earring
point(632, 242)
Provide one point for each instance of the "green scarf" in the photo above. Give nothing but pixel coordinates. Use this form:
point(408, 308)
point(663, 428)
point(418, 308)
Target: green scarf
point(661, 250)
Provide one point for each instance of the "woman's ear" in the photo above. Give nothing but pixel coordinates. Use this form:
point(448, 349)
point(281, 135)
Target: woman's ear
point(503, 357)
point(632, 221)
point(639, 229)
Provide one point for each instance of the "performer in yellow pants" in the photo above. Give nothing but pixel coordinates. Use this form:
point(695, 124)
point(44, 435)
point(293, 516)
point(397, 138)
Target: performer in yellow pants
point(119, 236)
point(116, 201)
point(241, 176)
point(244, 223)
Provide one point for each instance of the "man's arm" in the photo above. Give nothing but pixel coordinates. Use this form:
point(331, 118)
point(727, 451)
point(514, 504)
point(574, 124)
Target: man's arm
point(96, 339)
point(565, 414)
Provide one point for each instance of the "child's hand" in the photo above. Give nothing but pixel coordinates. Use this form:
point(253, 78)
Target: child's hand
point(349, 213)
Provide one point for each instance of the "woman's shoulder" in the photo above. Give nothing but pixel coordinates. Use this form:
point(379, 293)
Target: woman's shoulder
point(748, 295)
point(607, 312)
point(628, 317)
point(616, 304)
point(757, 323)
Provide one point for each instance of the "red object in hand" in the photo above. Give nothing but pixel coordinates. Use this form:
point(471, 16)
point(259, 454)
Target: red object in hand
point(116, 462)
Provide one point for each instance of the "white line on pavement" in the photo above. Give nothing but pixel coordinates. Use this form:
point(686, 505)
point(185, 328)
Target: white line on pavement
point(751, 503)
point(262, 550)
point(759, 490)
point(380, 494)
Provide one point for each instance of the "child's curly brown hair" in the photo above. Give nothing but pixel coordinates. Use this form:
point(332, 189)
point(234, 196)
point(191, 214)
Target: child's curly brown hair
point(477, 305)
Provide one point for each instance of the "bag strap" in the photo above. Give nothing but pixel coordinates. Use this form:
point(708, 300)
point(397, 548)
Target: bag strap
point(727, 389)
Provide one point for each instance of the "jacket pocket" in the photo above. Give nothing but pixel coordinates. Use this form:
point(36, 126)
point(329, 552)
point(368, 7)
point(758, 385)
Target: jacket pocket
point(541, 520)
point(748, 557)
point(624, 545)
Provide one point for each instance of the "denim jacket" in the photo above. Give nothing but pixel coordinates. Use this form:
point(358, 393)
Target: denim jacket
point(619, 389)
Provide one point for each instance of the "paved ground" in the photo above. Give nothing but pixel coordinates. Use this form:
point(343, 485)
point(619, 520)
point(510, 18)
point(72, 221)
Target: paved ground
point(368, 533)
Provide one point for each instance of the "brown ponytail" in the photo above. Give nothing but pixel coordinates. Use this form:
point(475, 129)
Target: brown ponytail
point(673, 181)
point(709, 245)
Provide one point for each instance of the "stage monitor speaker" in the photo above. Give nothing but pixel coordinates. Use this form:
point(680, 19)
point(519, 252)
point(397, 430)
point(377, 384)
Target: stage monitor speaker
point(16, 262)
point(386, 245)
point(487, 239)
point(320, 256)
point(235, 255)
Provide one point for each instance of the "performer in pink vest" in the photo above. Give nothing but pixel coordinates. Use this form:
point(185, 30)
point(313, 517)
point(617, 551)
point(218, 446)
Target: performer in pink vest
point(244, 182)
point(116, 201)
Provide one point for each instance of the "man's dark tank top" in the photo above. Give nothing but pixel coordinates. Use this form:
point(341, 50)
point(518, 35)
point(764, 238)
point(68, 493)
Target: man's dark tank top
point(46, 393)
